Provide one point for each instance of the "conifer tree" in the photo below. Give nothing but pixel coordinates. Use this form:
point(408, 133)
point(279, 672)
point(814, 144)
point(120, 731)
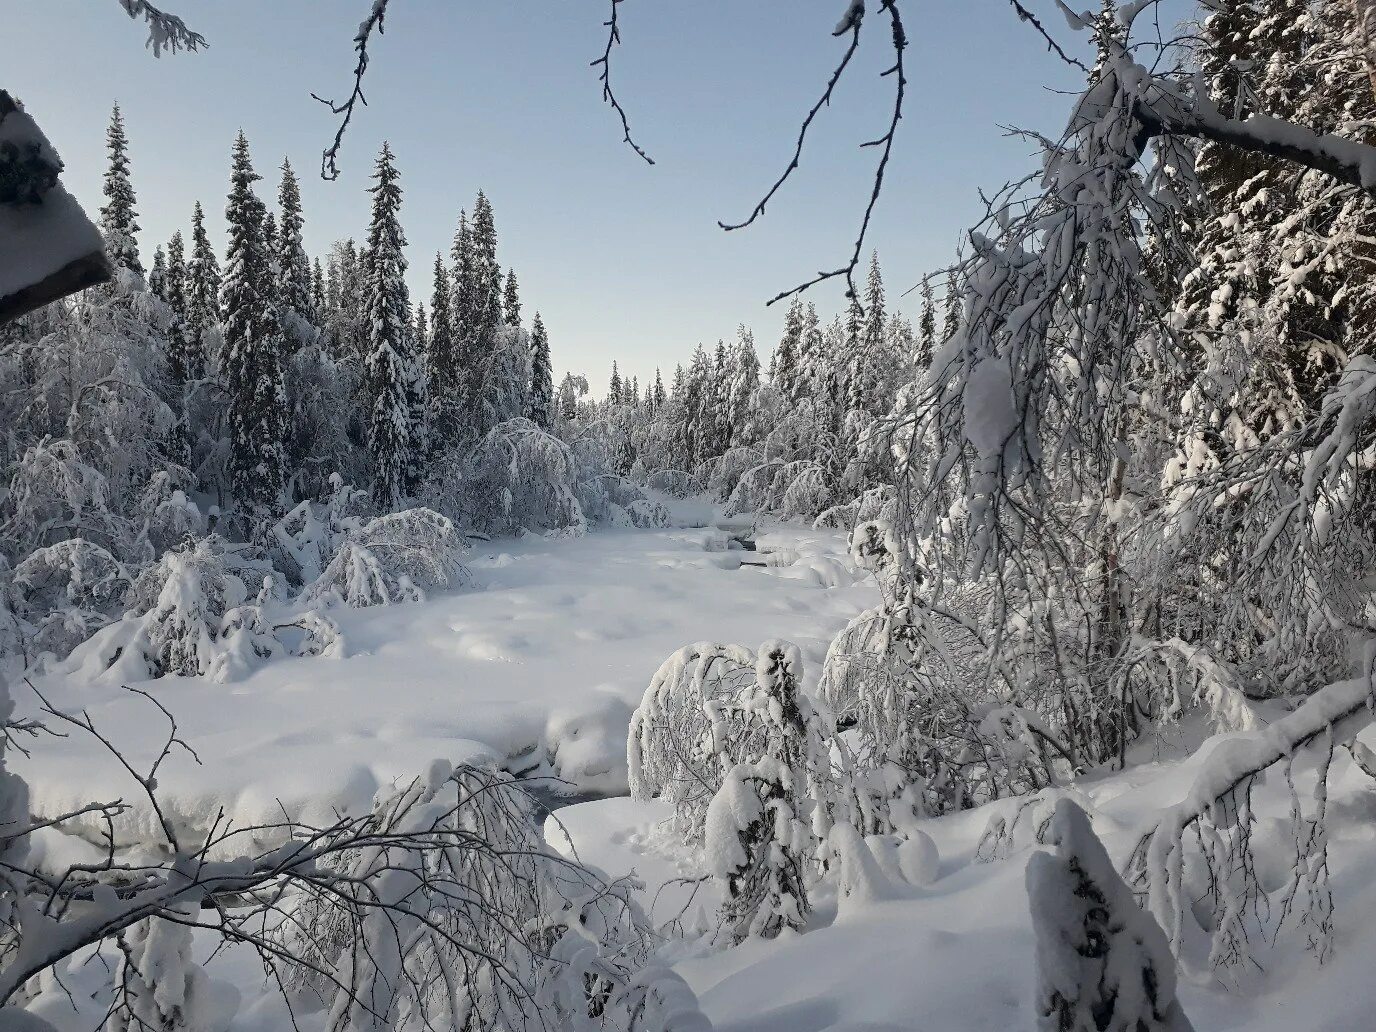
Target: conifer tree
point(541, 376)
point(511, 300)
point(251, 361)
point(294, 270)
point(389, 371)
point(421, 330)
point(745, 381)
point(118, 219)
point(318, 290)
point(867, 356)
point(657, 395)
point(175, 285)
point(784, 369)
point(182, 362)
point(157, 275)
point(203, 312)
point(614, 388)
point(441, 358)
point(926, 329)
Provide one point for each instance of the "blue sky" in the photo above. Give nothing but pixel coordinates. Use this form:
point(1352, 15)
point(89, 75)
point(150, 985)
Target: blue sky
point(624, 260)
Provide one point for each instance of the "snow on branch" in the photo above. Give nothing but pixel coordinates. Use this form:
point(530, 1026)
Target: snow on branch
point(1218, 806)
point(165, 31)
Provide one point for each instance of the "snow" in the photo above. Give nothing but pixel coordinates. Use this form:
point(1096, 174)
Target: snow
point(954, 949)
point(539, 664)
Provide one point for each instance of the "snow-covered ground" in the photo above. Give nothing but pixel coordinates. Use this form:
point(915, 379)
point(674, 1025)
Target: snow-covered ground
point(541, 664)
point(958, 954)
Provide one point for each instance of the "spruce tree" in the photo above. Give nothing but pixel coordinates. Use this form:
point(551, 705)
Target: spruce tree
point(157, 275)
point(657, 395)
point(118, 219)
point(511, 300)
point(784, 368)
point(614, 388)
point(926, 329)
point(183, 363)
point(442, 359)
point(251, 362)
point(421, 330)
point(745, 381)
point(868, 357)
point(466, 384)
point(203, 312)
point(485, 317)
point(389, 370)
point(541, 376)
point(294, 270)
point(174, 291)
point(317, 291)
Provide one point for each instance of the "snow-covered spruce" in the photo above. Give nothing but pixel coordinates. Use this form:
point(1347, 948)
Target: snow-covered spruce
point(1103, 964)
point(758, 836)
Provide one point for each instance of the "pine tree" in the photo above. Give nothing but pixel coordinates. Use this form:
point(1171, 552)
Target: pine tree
point(614, 388)
point(868, 356)
point(294, 270)
point(251, 360)
point(389, 369)
point(118, 219)
point(203, 312)
point(511, 300)
point(541, 376)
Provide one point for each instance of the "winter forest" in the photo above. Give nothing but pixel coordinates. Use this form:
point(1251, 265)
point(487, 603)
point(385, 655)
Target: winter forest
point(993, 648)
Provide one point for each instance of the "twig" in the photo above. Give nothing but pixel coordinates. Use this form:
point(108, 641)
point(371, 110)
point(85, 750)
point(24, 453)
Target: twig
point(900, 43)
point(329, 160)
point(605, 77)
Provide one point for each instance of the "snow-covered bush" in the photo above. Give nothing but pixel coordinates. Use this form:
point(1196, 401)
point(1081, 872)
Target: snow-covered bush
point(1103, 965)
point(66, 592)
point(670, 748)
point(396, 557)
point(54, 494)
point(160, 986)
point(198, 611)
point(166, 517)
point(305, 540)
point(492, 931)
point(673, 482)
point(521, 477)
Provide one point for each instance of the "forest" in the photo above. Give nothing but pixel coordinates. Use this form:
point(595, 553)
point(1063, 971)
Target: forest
point(1007, 666)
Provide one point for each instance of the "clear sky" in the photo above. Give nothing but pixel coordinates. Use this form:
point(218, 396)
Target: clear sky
point(623, 260)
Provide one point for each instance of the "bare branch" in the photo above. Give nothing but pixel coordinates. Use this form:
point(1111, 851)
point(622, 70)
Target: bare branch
point(608, 95)
point(885, 143)
point(1051, 44)
point(329, 160)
